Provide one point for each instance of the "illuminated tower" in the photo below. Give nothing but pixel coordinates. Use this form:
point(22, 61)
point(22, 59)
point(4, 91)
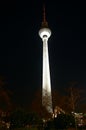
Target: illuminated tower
point(45, 33)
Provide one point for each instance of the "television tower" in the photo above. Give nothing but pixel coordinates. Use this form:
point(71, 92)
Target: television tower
point(45, 33)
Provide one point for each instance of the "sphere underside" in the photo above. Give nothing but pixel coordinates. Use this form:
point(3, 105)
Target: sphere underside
point(45, 32)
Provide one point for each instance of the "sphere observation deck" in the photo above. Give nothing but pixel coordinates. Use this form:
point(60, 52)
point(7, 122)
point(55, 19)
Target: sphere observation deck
point(44, 32)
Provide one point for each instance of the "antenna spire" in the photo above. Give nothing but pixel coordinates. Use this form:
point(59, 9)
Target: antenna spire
point(44, 17)
point(44, 23)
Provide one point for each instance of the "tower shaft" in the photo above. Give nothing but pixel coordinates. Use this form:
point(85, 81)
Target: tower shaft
point(46, 71)
point(46, 83)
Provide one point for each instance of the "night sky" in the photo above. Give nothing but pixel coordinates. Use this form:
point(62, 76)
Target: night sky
point(21, 46)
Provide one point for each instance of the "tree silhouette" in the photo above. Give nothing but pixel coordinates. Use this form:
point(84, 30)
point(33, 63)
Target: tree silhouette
point(5, 101)
point(74, 96)
point(37, 107)
point(57, 100)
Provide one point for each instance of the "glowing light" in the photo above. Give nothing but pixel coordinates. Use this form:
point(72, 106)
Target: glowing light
point(46, 83)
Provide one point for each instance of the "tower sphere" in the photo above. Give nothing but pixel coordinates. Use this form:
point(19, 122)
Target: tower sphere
point(44, 32)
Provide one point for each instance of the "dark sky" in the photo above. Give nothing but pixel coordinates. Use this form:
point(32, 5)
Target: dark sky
point(21, 47)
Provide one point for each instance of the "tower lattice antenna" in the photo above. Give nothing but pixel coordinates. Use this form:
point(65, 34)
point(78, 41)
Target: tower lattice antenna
point(44, 23)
